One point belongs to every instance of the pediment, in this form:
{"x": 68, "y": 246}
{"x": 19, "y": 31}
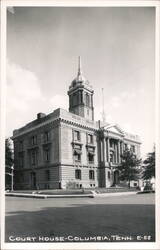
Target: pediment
{"x": 114, "y": 129}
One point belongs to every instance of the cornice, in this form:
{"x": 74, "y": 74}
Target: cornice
{"x": 27, "y": 131}
{"x": 71, "y": 122}
{"x": 132, "y": 140}
{"x": 80, "y": 125}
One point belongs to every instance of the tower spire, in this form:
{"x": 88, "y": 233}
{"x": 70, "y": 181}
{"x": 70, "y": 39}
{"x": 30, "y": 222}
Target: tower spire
{"x": 79, "y": 66}
{"x": 103, "y": 112}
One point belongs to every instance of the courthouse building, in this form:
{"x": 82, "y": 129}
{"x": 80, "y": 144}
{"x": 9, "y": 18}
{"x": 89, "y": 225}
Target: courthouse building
{"x": 66, "y": 148}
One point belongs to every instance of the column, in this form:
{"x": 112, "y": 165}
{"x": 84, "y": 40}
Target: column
{"x": 115, "y": 153}
{"x": 91, "y": 100}
{"x": 101, "y": 145}
{"x": 122, "y": 147}
{"x": 119, "y": 152}
{"x": 104, "y": 149}
{"x": 108, "y": 150}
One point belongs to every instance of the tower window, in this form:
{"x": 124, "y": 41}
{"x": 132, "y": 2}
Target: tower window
{"x": 81, "y": 95}
{"x": 75, "y": 99}
{"x": 87, "y": 99}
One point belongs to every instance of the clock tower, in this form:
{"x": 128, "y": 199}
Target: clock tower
{"x": 81, "y": 96}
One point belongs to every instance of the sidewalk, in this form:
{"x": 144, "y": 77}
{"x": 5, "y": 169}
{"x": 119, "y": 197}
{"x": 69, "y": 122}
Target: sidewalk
{"x": 92, "y": 195}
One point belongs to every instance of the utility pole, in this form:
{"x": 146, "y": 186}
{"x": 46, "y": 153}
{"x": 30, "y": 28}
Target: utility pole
{"x": 103, "y": 112}
{"x": 12, "y": 174}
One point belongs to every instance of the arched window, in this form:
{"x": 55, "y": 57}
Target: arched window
{"x": 87, "y": 99}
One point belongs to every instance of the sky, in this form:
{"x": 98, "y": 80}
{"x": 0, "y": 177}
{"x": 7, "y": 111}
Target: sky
{"x": 116, "y": 45}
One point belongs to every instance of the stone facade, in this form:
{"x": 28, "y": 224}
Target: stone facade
{"x": 69, "y": 149}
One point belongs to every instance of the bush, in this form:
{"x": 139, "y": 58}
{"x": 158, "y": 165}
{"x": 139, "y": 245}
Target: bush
{"x": 71, "y": 185}
{"x": 148, "y": 186}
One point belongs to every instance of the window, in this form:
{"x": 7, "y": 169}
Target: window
{"x": 91, "y": 174}
{"x": 76, "y": 135}
{"x": 111, "y": 157}
{"x": 133, "y": 148}
{"x": 34, "y": 140}
{"x": 77, "y": 151}
{"x": 109, "y": 175}
{"x": 90, "y": 139}
{"x": 46, "y": 136}
{"x": 90, "y": 154}
{"x": 46, "y": 154}
{"x": 47, "y": 175}
{"x": 90, "y": 157}
{"x": 87, "y": 99}
{"x": 33, "y": 158}
{"x": 75, "y": 99}
{"x": 125, "y": 146}
{"x": 78, "y": 174}
{"x": 111, "y": 144}
{"x": 81, "y": 97}
{"x": 77, "y": 155}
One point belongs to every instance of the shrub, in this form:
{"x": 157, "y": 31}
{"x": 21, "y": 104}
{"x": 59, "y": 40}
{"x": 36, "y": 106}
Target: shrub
{"x": 71, "y": 185}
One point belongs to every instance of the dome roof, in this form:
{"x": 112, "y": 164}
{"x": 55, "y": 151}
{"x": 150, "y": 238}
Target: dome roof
{"x": 80, "y": 79}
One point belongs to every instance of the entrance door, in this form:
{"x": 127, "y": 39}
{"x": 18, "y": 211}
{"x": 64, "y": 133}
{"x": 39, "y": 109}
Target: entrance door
{"x": 33, "y": 180}
{"x": 116, "y": 177}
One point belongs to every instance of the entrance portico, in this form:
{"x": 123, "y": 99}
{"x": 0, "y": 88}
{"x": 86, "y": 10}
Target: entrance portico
{"x": 112, "y": 146}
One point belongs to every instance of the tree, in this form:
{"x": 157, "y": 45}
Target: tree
{"x": 129, "y": 168}
{"x": 149, "y": 166}
{"x": 8, "y": 162}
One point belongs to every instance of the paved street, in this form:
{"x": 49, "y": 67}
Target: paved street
{"x": 128, "y": 216}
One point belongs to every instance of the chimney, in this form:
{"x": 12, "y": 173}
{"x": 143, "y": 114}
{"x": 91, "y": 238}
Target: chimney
{"x": 40, "y": 115}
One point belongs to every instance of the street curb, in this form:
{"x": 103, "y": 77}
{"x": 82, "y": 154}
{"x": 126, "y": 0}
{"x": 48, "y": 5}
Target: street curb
{"x": 44, "y": 196}
{"x": 111, "y": 194}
